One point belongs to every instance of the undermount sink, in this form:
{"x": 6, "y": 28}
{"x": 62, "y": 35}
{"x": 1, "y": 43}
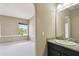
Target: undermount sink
{"x": 65, "y": 42}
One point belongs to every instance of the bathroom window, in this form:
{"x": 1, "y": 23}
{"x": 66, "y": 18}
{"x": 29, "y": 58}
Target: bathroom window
{"x": 23, "y": 29}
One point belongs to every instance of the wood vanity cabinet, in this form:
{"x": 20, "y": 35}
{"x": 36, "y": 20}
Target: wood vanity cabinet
{"x": 56, "y": 50}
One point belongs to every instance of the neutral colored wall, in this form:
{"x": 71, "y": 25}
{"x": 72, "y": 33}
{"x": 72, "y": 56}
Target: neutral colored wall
{"x": 32, "y": 32}
{"x": 9, "y": 25}
{"x": 45, "y": 25}
{"x": 0, "y": 29}
{"x": 32, "y": 28}
{"x": 75, "y": 24}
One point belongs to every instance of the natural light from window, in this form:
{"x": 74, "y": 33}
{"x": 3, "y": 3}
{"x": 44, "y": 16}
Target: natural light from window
{"x": 23, "y": 29}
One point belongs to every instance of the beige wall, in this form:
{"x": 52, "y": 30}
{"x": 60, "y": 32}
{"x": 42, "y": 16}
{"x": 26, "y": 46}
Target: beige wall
{"x": 75, "y": 24}
{"x": 9, "y": 25}
{"x": 45, "y": 25}
{"x": 0, "y": 29}
{"x": 32, "y": 28}
{"x": 32, "y": 32}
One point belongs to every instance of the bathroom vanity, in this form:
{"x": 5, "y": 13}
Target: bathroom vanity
{"x": 62, "y": 48}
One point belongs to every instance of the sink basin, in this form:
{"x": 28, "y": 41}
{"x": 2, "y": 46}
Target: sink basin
{"x": 65, "y": 42}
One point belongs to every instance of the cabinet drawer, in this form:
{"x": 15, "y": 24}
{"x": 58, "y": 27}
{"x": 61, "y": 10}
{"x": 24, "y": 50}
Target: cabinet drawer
{"x": 53, "y": 52}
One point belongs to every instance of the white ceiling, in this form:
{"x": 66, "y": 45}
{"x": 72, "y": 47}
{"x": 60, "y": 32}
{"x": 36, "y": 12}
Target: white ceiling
{"x": 19, "y": 10}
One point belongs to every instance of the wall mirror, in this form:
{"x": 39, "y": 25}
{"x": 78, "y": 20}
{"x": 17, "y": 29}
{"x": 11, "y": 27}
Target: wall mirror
{"x": 68, "y": 21}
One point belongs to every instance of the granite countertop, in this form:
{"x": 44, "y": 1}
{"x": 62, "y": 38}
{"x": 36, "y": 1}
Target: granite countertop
{"x": 71, "y": 46}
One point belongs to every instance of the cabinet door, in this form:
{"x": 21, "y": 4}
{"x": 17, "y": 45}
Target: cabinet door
{"x": 62, "y": 54}
{"x": 53, "y": 52}
{"x": 57, "y": 50}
